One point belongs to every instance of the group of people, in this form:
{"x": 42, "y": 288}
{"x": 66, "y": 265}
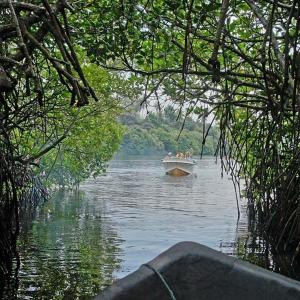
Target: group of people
{"x": 187, "y": 154}
{"x": 183, "y": 155}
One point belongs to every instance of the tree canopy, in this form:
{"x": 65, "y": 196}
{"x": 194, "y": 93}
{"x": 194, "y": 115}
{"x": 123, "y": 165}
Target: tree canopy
{"x": 43, "y": 94}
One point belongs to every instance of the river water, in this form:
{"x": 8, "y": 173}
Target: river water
{"x": 82, "y": 240}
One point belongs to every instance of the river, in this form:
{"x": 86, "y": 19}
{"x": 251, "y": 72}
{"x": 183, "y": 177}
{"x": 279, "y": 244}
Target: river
{"x": 80, "y": 241}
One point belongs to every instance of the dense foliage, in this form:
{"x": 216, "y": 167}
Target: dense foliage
{"x": 38, "y": 63}
{"x": 43, "y": 119}
{"x": 161, "y": 133}
{"x": 93, "y": 132}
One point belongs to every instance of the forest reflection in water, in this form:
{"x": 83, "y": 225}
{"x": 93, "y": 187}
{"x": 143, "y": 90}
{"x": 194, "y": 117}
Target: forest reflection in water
{"x": 69, "y": 251}
{"x": 80, "y": 241}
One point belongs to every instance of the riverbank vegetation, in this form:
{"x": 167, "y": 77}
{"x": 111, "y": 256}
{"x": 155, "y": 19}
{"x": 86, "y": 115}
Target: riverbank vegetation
{"x": 93, "y": 133}
{"x": 161, "y": 132}
{"x": 48, "y": 132}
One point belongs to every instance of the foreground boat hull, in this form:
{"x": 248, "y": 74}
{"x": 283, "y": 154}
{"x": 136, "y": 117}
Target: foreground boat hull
{"x": 190, "y": 271}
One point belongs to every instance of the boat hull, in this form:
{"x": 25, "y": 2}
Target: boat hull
{"x": 178, "y": 167}
{"x": 194, "y": 272}
{"x": 177, "y": 172}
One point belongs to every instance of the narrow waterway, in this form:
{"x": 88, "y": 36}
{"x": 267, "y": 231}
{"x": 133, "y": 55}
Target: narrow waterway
{"x": 82, "y": 240}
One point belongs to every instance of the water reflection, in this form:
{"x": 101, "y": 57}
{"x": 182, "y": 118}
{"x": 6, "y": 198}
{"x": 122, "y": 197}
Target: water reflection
{"x": 80, "y": 242}
{"x": 153, "y": 211}
{"x": 70, "y": 251}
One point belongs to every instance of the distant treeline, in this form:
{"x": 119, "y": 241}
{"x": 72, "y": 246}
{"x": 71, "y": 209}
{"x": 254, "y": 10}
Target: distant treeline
{"x": 158, "y": 132}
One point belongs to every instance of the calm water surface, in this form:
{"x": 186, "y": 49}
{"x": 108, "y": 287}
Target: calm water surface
{"x": 81, "y": 241}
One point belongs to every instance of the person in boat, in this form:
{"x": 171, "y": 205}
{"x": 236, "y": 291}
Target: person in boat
{"x": 188, "y": 154}
{"x": 169, "y": 155}
{"x": 180, "y": 155}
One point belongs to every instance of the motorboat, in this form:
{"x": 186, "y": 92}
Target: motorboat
{"x": 178, "y": 166}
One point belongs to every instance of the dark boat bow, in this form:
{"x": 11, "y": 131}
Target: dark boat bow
{"x": 190, "y": 271}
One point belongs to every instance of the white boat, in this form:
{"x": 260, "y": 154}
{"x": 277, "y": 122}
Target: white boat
{"x": 178, "y": 166}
